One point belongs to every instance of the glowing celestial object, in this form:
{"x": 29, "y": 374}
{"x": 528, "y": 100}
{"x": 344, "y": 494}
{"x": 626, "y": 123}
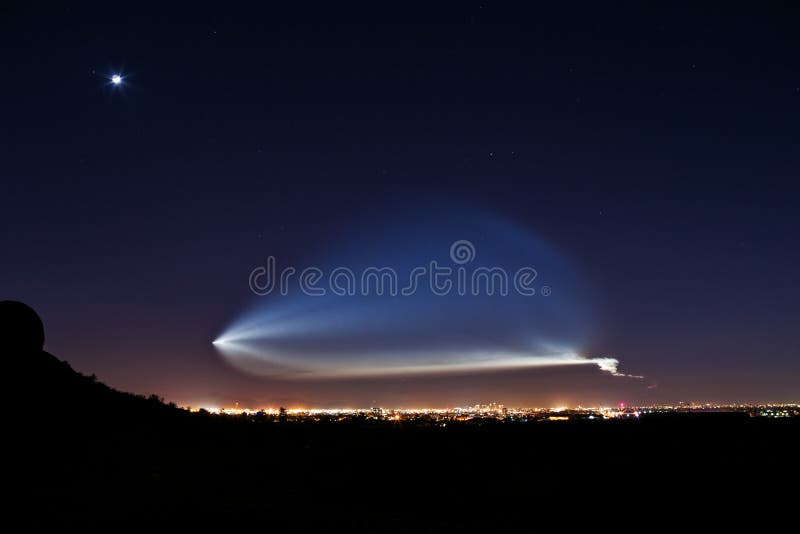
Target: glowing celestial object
{"x": 334, "y": 335}
{"x": 116, "y": 79}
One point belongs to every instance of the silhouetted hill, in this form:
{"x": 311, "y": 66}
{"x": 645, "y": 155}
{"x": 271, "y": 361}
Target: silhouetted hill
{"x": 89, "y": 455}
{"x": 43, "y": 383}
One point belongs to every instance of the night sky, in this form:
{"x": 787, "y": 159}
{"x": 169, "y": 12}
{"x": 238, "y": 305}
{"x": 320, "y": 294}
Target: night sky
{"x": 643, "y": 157}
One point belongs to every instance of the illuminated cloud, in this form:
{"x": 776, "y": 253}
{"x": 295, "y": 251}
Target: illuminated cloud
{"x": 260, "y": 362}
{"x": 295, "y": 335}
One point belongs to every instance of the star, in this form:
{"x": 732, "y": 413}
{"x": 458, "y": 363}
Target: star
{"x": 116, "y": 79}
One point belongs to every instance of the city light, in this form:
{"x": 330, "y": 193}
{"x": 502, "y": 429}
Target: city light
{"x": 500, "y": 412}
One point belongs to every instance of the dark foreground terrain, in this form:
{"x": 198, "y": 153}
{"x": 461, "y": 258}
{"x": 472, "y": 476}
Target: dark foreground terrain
{"x": 152, "y": 465}
{"x": 86, "y": 455}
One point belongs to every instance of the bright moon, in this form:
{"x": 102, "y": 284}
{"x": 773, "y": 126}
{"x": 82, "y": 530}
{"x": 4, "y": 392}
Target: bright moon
{"x": 116, "y": 79}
